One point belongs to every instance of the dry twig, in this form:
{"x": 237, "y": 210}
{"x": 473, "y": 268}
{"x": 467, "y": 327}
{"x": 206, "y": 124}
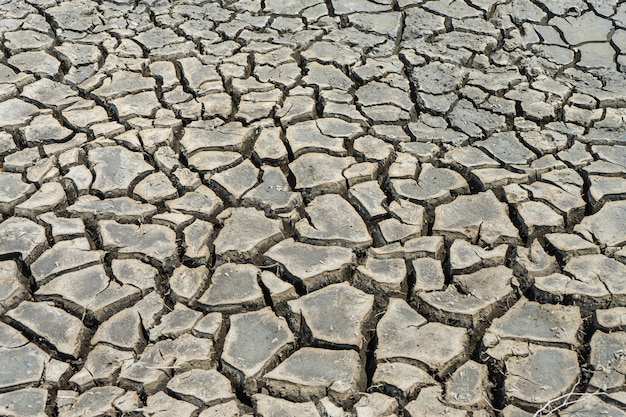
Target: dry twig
{"x": 549, "y": 408}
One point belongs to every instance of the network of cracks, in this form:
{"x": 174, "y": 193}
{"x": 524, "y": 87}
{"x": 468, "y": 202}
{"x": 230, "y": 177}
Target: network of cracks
{"x": 312, "y": 208}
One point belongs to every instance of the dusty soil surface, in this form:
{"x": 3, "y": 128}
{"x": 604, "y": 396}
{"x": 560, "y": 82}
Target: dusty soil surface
{"x": 312, "y": 208}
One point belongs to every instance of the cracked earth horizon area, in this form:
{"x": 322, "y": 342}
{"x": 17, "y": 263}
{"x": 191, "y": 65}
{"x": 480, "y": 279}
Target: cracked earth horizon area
{"x": 316, "y": 208}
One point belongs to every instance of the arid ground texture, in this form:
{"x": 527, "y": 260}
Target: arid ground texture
{"x": 312, "y": 208}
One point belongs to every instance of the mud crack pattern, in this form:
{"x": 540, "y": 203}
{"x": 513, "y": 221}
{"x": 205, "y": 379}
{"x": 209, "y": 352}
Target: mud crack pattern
{"x": 312, "y": 208}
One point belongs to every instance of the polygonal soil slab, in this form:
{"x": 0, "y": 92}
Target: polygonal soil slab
{"x": 61, "y": 330}
{"x": 405, "y": 336}
{"x": 312, "y": 373}
{"x": 23, "y": 236}
{"x": 558, "y": 287}
{"x": 307, "y": 137}
{"x": 429, "y": 402}
{"x": 28, "y": 402}
{"x": 429, "y": 275}
{"x": 434, "y": 186}
{"x": 136, "y": 105}
{"x": 318, "y": 173}
{"x": 201, "y": 387}
{"x": 65, "y": 256}
{"x": 604, "y": 226}
{"x": 155, "y": 188}
{"x": 312, "y": 266}
{"x": 148, "y": 240}
{"x": 607, "y": 358}
{"x": 126, "y": 329}
{"x": 118, "y": 208}
{"x": 266, "y": 406}
{"x": 153, "y": 369}
{"x": 214, "y": 161}
{"x": 116, "y": 169}
{"x": 235, "y": 182}
{"x": 368, "y": 198}
{"x": 471, "y": 299}
{"x": 89, "y": 291}
{"x": 229, "y": 409}
{"x": 333, "y": 221}
{"x": 401, "y": 379}
{"x": 122, "y": 83}
{"x": 13, "y": 191}
{"x": 477, "y": 218}
{"x": 161, "y": 404}
{"x": 22, "y": 363}
{"x": 202, "y": 203}
{"x": 134, "y": 272}
{"x": 101, "y": 366}
{"x": 233, "y": 288}
{"x": 605, "y": 188}
{"x": 568, "y": 245}
{"x": 180, "y": 320}
{"x": 50, "y": 93}
{"x": 229, "y": 137}
{"x": 273, "y": 193}
{"x": 506, "y": 148}
{"x": 382, "y": 276}
{"x": 185, "y": 282}
{"x": 465, "y": 257}
{"x": 563, "y": 194}
{"x": 256, "y": 342}
{"x": 376, "y": 403}
{"x": 12, "y": 286}
{"x": 246, "y": 233}
{"x": 611, "y": 319}
{"x": 197, "y": 241}
{"x": 591, "y": 406}
{"x": 50, "y": 196}
{"x": 540, "y": 375}
{"x": 537, "y": 219}
{"x": 16, "y": 112}
{"x": 598, "y": 268}
{"x": 96, "y": 401}
{"x": 344, "y": 328}
{"x": 468, "y": 387}
{"x": 539, "y": 323}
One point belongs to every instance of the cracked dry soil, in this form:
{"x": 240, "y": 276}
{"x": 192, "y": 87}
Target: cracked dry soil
{"x": 312, "y": 208}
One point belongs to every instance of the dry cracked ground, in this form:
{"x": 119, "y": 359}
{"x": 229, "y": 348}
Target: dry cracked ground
{"x": 307, "y": 208}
